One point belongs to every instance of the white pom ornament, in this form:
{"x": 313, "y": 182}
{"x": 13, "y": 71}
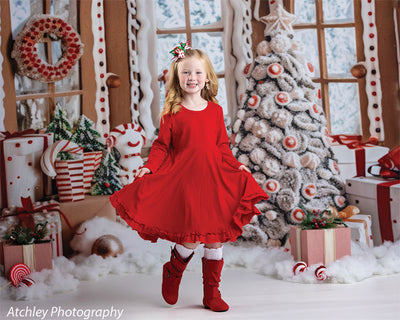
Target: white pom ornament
{"x": 272, "y": 186}
{"x": 297, "y": 215}
{"x": 254, "y": 101}
{"x": 299, "y": 267}
{"x": 274, "y": 70}
{"x": 309, "y": 190}
{"x": 271, "y": 215}
{"x": 340, "y": 201}
{"x": 333, "y": 166}
{"x": 282, "y": 98}
{"x": 320, "y": 273}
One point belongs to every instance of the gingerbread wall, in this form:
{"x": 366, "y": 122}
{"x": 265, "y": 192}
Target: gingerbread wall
{"x": 118, "y": 62}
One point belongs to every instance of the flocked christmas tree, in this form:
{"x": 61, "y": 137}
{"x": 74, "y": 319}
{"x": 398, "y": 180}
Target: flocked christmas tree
{"x": 60, "y": 126}
{"x": 105, "y": 179}
{"x": 86, "y": 136}
{"x": 280, "y": 134}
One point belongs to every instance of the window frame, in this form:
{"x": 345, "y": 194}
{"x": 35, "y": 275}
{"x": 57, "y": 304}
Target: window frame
{"x": 189, "y": 30}
{"x": 324, "y": 80}
{"x": 86, "y": 69}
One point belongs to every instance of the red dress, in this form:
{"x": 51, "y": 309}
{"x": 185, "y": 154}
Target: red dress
{"x": 195, "y": 191}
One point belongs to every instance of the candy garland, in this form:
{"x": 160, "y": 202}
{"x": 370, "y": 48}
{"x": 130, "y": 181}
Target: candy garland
{"x": 101, "y": 75}
{"x": 373, "y": 83}
{"x": 25, "y": 52}
{"x": 133, "y": 59}
{"x": 2, "y": 95}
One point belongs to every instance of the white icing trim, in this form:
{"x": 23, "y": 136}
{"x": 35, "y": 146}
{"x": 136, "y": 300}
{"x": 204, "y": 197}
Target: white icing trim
{"x": 99, "y": 56}
{"x": 146, "y": 50}
{"x": 274, "y": 4}
{"x": 133, "y": 59}
{"x": 373, "y": 113}
{"x": 2, "y": 110}
{"x": 241, "y": 42}
{"x": 230, "y": 60}
{"x": 397, "y": 36}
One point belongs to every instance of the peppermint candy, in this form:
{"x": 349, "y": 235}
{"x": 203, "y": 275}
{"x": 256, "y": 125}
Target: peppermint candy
{"x": 254, "y": 101}
{"x": 282, "y": 98}
{"x": 309, "y": 190}
{"x": 272, "y": 185}
{"x": 297, "y": 215}
{"x": 274, "y": 70}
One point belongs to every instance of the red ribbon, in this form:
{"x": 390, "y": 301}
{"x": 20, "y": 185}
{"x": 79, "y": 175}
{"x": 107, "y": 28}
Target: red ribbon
{"x": 385, "y": 218}
{"x": 354, "y": 142}
{"x": 5, "y": 135}
{"x": 25, "y": 212}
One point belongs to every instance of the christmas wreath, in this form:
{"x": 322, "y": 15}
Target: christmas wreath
{"x": 37, "y": 30}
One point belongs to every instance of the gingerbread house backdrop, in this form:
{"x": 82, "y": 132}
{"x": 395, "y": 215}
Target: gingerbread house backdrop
{"x": 107, "y": 60}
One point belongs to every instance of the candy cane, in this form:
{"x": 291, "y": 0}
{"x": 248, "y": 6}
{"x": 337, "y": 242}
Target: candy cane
{"x": 50, "y": 154}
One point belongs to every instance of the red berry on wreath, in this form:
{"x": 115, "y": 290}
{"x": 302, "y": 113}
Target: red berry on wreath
{"x": 106, "y": 184}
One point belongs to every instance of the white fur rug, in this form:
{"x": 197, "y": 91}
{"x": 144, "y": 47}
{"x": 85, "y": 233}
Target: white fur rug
{"x": 144, "y": 257}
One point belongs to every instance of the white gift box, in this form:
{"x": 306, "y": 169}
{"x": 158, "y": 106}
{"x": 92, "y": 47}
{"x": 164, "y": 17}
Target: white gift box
{"x": 23, "y": 176}
{"x": 346, "y": 159}
{"x": 361, "y": 232}
{"x": 362, "y": 192}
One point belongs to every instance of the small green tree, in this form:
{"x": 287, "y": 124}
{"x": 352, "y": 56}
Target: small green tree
{"x": 61, "y": 129}
{"x": 60, "y": 126}
{"x": 105, "y": 179}
{"x": 86, "y": 136}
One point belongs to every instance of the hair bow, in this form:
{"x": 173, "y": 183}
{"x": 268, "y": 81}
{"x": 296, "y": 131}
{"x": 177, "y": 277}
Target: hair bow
{"x": 179, "y": 51}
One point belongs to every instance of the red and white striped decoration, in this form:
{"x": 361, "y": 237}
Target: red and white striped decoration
{"x": 91, "y": 161}
{"x": 69, "y": 180}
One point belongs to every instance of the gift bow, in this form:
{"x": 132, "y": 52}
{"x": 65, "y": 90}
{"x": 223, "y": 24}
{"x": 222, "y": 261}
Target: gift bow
{"x": 4, "y": 135}
{"x": 25, "y": 212}
{"x": 179, "y": 51}
{"x": 352, "y": 141}
{"x": 389, "y": 165}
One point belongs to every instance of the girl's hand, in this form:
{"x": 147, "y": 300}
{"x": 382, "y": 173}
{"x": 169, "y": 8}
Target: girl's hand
{"x": 244, "y": 168}
{"x": 141, "y": 172}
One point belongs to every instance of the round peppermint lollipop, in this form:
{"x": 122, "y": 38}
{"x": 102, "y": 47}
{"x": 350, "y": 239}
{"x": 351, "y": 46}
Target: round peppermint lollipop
{"x": 299, "y": 267}
{"x": 320, "y": 273}
{"x": 18, "y": 272}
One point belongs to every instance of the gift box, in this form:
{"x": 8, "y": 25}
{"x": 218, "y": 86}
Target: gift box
{"x": 36, "y": 256}
{"x": 360, "y": 226}
{"x": 21, "y": 174}
{"x": 320, "y": 246}
{"x": 79, "y": 212}
{"x": 380, "y": 199}
{"x": 41, "y": 212}
{"x": 352, "y": 160}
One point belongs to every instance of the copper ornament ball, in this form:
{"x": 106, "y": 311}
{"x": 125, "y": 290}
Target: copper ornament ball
{"x": 358, "y": 70}
{"x": 107, "y": 246}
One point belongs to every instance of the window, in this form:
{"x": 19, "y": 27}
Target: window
{"x": 36, "y": 100}
{"x": 327, "y": 30}
{"x": 197, "y": 20}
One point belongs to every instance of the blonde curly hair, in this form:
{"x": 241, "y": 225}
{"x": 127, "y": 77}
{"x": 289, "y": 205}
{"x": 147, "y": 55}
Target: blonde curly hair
{"x": 175, "y": 93}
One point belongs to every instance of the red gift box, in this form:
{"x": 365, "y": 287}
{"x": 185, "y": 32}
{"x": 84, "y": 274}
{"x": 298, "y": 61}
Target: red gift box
{"x": 324, "y": 246}
{"x": 36, "y": 256}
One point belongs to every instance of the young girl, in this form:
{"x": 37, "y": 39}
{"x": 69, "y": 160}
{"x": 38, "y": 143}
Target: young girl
{"x": 192, "y": 190}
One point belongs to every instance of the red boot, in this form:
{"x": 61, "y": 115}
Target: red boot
{"x": 172, "y": 275}
{"x": 211, "y": 278}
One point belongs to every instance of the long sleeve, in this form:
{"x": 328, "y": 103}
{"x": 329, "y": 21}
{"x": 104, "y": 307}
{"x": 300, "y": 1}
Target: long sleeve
{"x": 223, "y": 142}
{"x": 161, "y": 145}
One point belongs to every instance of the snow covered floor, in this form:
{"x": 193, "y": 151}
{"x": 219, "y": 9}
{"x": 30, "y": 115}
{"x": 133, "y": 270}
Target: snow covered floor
{"x": 258, "y": 283}
{"x": 250, "y": 295}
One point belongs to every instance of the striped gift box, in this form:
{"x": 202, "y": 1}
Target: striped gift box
{"x": 91, "y": 161}
{"x": 69, "y": 180}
